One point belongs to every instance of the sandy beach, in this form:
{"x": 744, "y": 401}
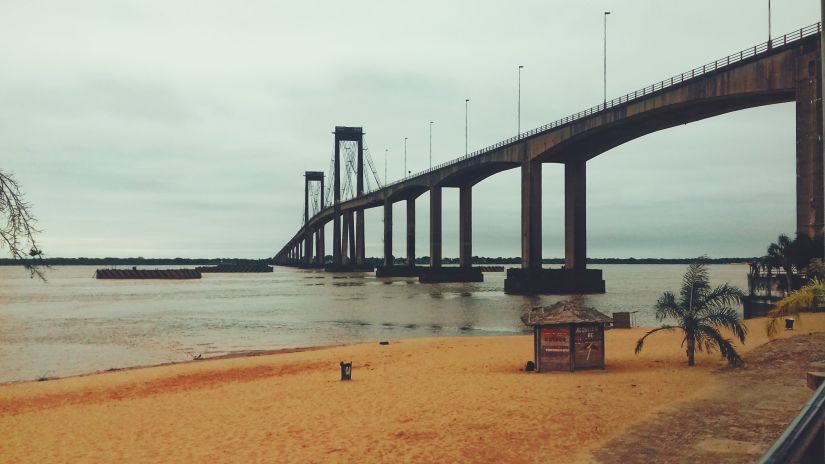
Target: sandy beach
{"x": 427, "y": 400}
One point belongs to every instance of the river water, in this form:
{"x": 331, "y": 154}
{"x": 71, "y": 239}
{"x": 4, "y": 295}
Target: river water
{"x": 76, "y": 324}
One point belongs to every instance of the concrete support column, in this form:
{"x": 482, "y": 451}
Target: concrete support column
{"x": 322, "y": 245}
{"x": 435, "y": 227}
{"x": 810, "y": 192}
{"x": 308, "y": 247}
{"x": 351, "y": 235}
{"x": 345, "y": 238}
{"x": 358, "y": 225}
{"x": 388, "y": 261}
{"x": 319, "y": 258}
{"x": 531, "y": 216}
{"x": 336, "y": 208}
{"x": 575, "y": 213}
{"x": 411, "y": 232}
{"x": 465, "y": 226}
{"x": 359, "y": 237}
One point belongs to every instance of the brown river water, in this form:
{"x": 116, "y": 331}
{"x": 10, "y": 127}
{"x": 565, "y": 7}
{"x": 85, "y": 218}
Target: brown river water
{"x": 75, "y": 324}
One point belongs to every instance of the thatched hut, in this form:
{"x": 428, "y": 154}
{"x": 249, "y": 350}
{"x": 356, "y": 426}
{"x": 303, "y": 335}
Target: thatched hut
{"x": 567, "y": 336}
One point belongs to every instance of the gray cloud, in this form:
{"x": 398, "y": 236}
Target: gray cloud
{"x": 171, "y": 129}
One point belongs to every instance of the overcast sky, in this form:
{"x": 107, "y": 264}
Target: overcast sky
{"x": 183, "y": 128}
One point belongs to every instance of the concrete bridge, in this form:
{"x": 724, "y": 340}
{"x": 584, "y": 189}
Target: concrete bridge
{"x": 784, "y": 70}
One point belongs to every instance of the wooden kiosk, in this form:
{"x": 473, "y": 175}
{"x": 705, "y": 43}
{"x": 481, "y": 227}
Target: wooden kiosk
{"x": 567, "y": 337}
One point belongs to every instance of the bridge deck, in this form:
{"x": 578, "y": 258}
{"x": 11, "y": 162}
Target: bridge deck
{"x": 760, "y": 75}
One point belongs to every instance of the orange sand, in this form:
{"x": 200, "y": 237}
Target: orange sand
{"x": 433, "y": 400}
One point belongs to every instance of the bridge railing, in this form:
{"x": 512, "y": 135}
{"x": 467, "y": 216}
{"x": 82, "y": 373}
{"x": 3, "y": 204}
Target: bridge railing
{"x": 749, "y": 52}
{"x": 674, "y": 80}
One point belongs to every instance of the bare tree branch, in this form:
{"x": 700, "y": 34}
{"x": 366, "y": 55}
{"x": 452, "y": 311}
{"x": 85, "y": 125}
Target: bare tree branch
{"x": 17, "y": 231}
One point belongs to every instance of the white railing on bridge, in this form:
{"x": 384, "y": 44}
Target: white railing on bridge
{"x": 664, "y": 84}
{"x": 695, "y": 72}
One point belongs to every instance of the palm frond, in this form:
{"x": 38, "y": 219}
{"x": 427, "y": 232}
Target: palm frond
{"x": 725, "y": 346}
{"x": 695, "y": 282}
{"x": 667, "y": 306}
{"x": 794, "y": 303}
{"x": 727, "y": 318}
{"x": 722, "y": 296}
{"x": 641, "y": 342}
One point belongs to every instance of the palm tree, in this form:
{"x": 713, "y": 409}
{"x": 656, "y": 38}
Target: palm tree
{"x": 782, "y": 253}
{"x": 700, "y": 311}
{"x": 804, "y": 298}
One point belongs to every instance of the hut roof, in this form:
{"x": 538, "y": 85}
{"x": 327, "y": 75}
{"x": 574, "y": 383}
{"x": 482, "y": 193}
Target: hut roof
{"x": 564, "y": 312}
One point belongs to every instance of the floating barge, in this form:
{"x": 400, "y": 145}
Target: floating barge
{"x": 172, "y": 274}
{"x": 245, "y": 268}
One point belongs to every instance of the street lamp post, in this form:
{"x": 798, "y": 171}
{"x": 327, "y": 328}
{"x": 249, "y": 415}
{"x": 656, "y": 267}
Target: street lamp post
{"x": 769, "y": 24}
{"x": 466, "y": 102}
{"x": 519, "y": 99}
{"x": 605, "y": 57}
{"x": 386, "y": 181}
{"x": 405, "y": 157}
{"x": 431, "y": 144}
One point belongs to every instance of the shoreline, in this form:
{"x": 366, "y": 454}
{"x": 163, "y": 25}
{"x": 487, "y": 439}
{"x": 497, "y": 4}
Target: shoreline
{"x": 283, "y": 351}
{"x": 230, "y": 355}
{"x": 437, "y": 399}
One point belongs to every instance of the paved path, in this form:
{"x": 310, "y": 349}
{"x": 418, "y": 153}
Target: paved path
{"x": 734, "y": 423}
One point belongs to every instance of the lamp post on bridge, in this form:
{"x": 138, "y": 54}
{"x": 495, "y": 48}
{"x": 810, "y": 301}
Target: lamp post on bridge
{"x": 466, "y": 125}
{"x": 519, "y": 99}
{"x": 405, "y": 157}
{"x": 431, "y": 144}
{"x": 605, "y": 57}
{"x": 769, "y": 25}
{"x": 386, "y": 181}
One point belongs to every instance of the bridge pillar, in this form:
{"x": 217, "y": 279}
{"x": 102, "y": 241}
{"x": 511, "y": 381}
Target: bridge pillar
{"x": 575, "y": 212}
{"x": 307, "y": 256}
{"x": 435, "y": 227}
{"x": 810, "y": 193}
{"x": 347, "y": 247}
{"x": 575, "y": 277}
{"x": 411, "y": 232}
{"x": 359, "y": 215}
{"x": 345, "y": 239}
{"x": 531, "y": 217}
{"x": 389, "y": 269}
{"x": 388, "y": 261}
{"x": 465, "y": 226}
{"x": 308, "y": 247}
{"x": 436, "y": 272}
{"x": 319, "y": 252}
{"x": 321, "y": 246}
{"x": 337, "y": 259}
{"x": 528, "y": 279}
{"x": 351, "y": 236}
{"x": 359, "y": 237}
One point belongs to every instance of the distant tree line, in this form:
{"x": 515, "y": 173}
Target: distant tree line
{"x": 425, "y": 260}
{"x": 133, "y": 261}
{"x": 422, "y": 260}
